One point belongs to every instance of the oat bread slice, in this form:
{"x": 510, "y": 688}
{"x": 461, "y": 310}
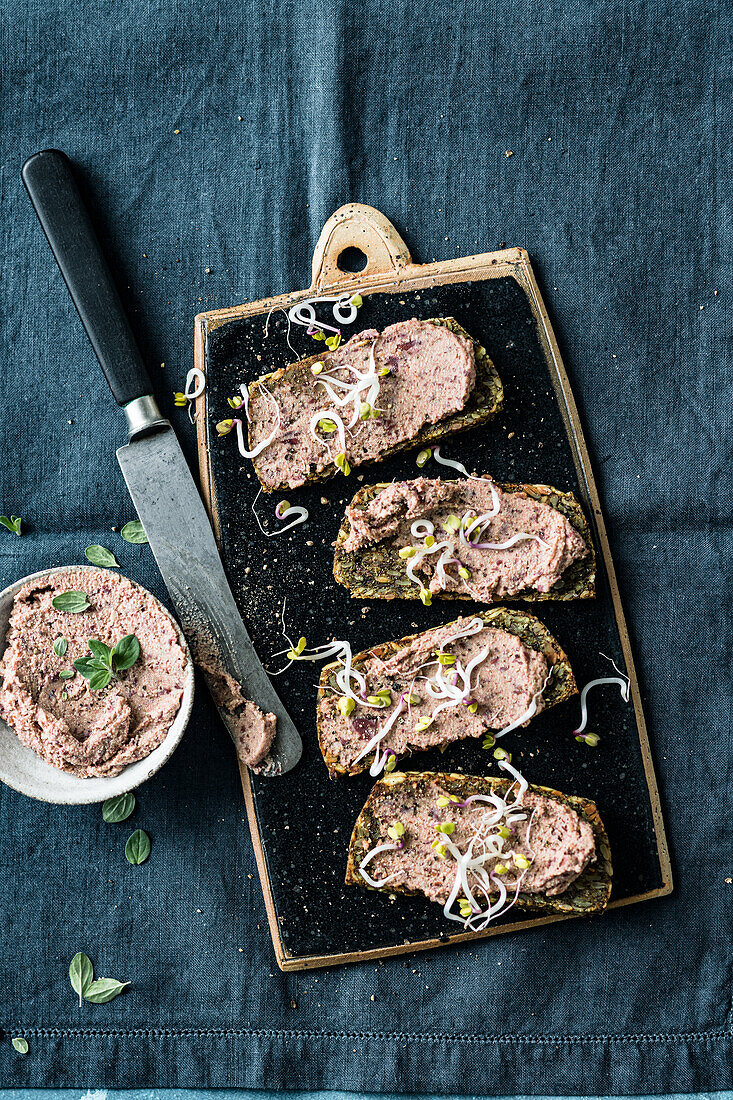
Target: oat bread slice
{"x": 337, "y": 736}
{"x": 399, "y": 796}
{"x": 293, "y": 459}
{"x": 376, "y": 571}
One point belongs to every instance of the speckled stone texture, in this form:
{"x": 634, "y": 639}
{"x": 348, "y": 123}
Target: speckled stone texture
{"x": 526, "y": 442}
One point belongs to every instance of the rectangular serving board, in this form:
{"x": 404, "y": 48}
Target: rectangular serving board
{"x": 301, "y": 822}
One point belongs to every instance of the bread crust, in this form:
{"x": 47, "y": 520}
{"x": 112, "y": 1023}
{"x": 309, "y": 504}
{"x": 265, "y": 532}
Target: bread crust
{"x": 485, "y": 401}
{"x": 524, "y": 625}
{"x": 590, "y": 892}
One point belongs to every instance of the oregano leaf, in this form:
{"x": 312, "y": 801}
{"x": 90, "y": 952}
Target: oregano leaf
{"x": 72, "y": 601}
{"x": 125, "y": 653}
{"x": 87, "y": 665}
{"x": 100, "y": 555}
{"x": 99, "y": 650}
{"x": 103, "y": 990}
{"x": 118, "y": 808}
{"x": 134, "y": 532}
{"x": 60, "y": 646}
{"x": 12, "y": 523}
{"x": 99, "y": 679}
{"x": 81, "y": 973}
{"x": 137, "y": 848}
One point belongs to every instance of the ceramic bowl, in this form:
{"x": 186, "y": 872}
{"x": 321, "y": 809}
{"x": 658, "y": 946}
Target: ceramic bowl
{"x": 25, "y": 771}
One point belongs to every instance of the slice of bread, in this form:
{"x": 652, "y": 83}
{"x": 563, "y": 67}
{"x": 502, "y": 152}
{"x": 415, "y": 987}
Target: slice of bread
{"x": 525, "y": 626}
{"x": 485, "y": 400}
{"x": 376, "y": 572}
{"x": 588, "y": 894}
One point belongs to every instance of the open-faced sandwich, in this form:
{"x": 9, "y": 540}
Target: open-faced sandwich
{"x": 478, "y": 846}
{"x": 375, "y": 395}
{"x": 476, "y": 676}
{"x": 469, "y": 539}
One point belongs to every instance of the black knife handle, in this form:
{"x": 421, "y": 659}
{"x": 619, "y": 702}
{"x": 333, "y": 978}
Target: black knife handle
{"x": 57, "y": 201}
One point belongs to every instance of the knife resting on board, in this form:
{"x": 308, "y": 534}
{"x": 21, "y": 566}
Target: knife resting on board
{"x": 157, "y": 474}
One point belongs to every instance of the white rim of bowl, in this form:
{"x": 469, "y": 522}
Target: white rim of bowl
{"x": 183, "y": 713}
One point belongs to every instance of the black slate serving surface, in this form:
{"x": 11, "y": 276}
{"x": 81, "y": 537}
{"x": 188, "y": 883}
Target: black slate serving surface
{"x": 305, "y": 819}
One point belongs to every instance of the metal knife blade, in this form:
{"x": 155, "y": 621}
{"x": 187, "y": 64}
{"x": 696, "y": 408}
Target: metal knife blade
{"x": 178, "y": 529}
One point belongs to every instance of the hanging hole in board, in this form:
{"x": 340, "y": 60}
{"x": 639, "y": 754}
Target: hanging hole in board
{"x": 352, "y": 260}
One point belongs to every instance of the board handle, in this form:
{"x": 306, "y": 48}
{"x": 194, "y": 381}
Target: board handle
{"x": 356, "y": 226}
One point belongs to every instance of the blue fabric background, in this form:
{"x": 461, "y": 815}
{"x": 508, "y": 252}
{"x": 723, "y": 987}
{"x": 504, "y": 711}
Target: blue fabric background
{"x": 618, "y": 117}
{"x": 228, "y": 1094}
{"x": 239, "y": 1094}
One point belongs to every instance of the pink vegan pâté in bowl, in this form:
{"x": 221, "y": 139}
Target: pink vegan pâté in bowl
{"x": 85, "y": 739}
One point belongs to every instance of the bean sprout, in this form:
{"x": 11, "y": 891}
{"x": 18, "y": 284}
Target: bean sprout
{"x": 623, "y": 682}
{"x": 471, "y": 875}
{"x": 238, "y": 424}
{"x": 299, "y": 514}
{"x": 375, "y": 852}
{"x": 198, "y": 378}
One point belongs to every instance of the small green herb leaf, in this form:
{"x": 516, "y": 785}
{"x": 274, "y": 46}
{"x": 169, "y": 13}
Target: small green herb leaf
{"x": 103, "y": 990}
{"x": 60, "y": 646}
{"x": 12, "y": 523}
{"x": 100, "y": 555}
{"x": 137, "y": 848}
{"x": 21, "y": 1045}
{"x": 134, "y": 532}
{"x": 105, "y": 662}
{"x": 99, "y": 650}
{"x": 71, "y": 601}
{"x": 81, "y": 973}
{"x": 118, "y": 808}
{"x": 66, "y": 674}
{"x": 87, "y": 665}
{"x": 99, "y": 679}
{"x": 125, "y": 653}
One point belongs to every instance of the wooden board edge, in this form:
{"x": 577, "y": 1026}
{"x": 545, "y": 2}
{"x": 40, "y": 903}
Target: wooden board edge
{"x": 209, "y": 497}
{"x": 582, "y": 462}
{"x": 503, "y": 258}
{"x": 514, "y": 262}
{"x": 280, "y": 955}
{"x": 288, "y": 962}
{"x": 206, "y": 481}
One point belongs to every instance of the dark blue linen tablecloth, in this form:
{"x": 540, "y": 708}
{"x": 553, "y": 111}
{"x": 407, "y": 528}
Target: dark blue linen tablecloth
{"x": 216, "y": 139}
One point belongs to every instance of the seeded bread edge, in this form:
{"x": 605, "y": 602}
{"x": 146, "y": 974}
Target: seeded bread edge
{"x": 588, "y": 895}
{"x": 524, "y": 625}
{"x": 484, "y": 402}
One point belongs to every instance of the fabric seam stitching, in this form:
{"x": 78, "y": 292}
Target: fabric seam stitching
{"x": 271, "y": 1033}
